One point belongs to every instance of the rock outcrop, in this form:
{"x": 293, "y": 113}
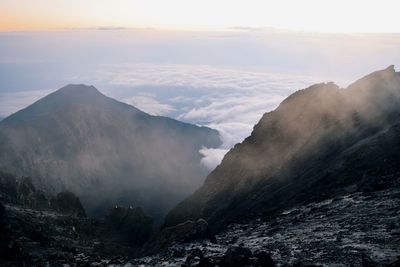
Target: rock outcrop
{"x": 22, "y": 192}
{"x": 183, "y": 232}
{"x": 67, "y": 203}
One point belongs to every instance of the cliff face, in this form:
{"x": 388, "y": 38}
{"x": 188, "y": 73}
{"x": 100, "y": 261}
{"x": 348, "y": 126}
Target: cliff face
{"x": 320, "y": 141}
{"x": 105, "y": 151}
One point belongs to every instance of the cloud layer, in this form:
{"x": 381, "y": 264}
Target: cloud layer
{"x": 229, "y": 100}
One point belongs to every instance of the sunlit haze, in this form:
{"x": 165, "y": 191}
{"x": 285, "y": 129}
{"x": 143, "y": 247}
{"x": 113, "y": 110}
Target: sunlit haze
{"x": 200, "y": 133}
{"x": 220, "y": 64}
{"x": 308, "y": 15}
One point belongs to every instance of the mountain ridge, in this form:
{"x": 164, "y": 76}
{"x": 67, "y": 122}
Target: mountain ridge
{"x": 63, "y": 96}
{"x": 288, "y": 157}
{"x": 81, "y": 140}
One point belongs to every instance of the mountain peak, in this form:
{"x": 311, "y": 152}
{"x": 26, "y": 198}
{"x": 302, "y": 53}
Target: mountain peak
{"x": 78, "y": 89}
{"x": 75, "y": 94}
{"x": 390, "y": 68}
{"x": 68, "y": 96}
{"x": 376, "y": 79}
{"x": 80, "y": 140}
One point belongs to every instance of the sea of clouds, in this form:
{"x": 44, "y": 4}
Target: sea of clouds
{"x": 224, "y": 80}
{"x": 228, "y": 100}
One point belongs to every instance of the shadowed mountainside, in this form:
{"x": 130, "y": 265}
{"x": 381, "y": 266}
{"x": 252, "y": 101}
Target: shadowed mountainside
{"x": 105, "y": 151}
{"x": 320, "y": 142}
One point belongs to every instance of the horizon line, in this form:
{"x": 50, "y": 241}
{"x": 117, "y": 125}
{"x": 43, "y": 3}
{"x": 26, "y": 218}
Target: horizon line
{"x": 196, "y": 29}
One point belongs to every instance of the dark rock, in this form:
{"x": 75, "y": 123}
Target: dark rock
{"x": 59, "y": 256}
{"x": 67, "y": 203}
{"x": 300, "y": 264}
{"x": 184, "y": 232}
{"x": 396, "y": 263}
{"x": 367, "y": 261}
{"x": 131, "y": 225}
{"x": 31, "y": 236}
{"x": 2, "y": 212}
{"x": 206, "y": 262}
{"x": 195, "y": 255}
{"x": 8, "y": 188}
{"x": 23, "y": 192}
{"x": 236, "y": 256}
{"x": 10, "y": 251}
{"x": 178, "y": 253}
{"x": 263, "y": 259}
{"x": 116, "y": 260}
{"x": 26, "y": 192}
{"x": 192, "y": 260}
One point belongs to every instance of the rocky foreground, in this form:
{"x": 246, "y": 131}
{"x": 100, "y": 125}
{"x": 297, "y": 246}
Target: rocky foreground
{"x": 38, "y": 229}
{"x": 354, "y": 230}
{"x": 47, "y": 238}
{"x": 357, "y": 229}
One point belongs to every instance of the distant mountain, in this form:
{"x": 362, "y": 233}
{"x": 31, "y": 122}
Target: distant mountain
{"x": 105, "y": 151}
{"x": 320, "y": 142}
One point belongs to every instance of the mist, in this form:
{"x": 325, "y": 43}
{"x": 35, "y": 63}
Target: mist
{"x": 225, "y": 79}
{"x": 196, "y": 77}
{"x": 306, "y": 148}
{"x": 105, "y": 151}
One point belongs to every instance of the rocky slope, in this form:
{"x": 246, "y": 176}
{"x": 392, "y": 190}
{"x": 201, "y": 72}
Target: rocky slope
{"x": 320, "y": 142}
{"x": 105, "y": 151}
{"x": 38, "y": 229}
{"x": 356, "y": 229}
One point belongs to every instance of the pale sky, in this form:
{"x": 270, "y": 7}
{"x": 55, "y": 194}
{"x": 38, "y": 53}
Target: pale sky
{"x": 342, "y": 16}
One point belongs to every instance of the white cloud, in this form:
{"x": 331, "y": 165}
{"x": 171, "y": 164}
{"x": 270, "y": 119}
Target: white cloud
{"x": 212, "y": 156}
{"x": 229, "y": 100}
{"x": 149, "y": 104}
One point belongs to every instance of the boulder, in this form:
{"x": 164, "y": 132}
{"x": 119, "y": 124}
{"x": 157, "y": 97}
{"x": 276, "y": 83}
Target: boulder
{"x": 396, "y": 263}
{"x": 195, "y": 256}
{"x": 263, "y": 259}
{"x": 237, "y": 256}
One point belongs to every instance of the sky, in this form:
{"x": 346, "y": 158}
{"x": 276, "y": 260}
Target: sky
{"x": 217, "y": 63}
{"x": 306, "y": 15}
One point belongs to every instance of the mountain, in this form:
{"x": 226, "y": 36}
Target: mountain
{"x": 320, "y": 142}
{"x": 105, "y": 151}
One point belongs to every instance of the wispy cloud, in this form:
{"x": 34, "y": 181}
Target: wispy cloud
{"x": 212, "y": 156}
{"x": 149, "y": 104}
